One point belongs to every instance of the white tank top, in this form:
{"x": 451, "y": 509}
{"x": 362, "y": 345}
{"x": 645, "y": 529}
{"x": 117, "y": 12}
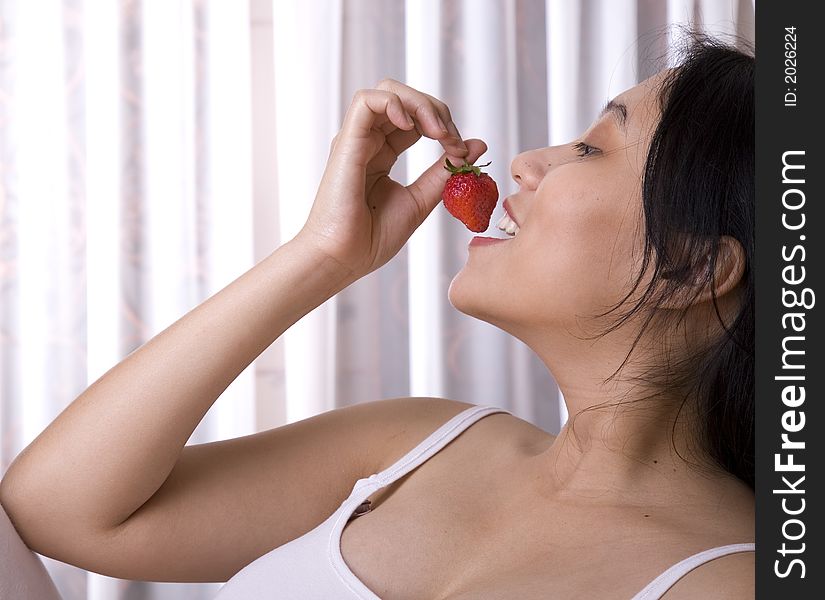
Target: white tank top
{"x": 312, "y": 567}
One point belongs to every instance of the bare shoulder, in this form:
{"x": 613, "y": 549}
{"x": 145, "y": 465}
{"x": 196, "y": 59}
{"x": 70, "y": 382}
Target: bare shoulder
{"x": 730, "y": 577}
{"x": 407, "y": 421}
{"x": 500, "y": 433}
{"x": 501, "y": 430}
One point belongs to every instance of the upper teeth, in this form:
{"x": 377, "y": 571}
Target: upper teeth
{"x": 508, "y": 225}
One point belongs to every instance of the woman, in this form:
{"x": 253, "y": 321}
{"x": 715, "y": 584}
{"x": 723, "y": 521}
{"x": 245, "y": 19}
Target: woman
{"x": 629, "y": 275}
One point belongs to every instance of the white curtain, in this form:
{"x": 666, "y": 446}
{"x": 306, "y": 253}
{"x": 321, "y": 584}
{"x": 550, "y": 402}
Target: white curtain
{"x": 151, "y": 151}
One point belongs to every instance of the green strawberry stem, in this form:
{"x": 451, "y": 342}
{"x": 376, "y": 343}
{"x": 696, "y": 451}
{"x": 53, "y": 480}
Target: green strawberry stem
{"x": 465, "y": 168}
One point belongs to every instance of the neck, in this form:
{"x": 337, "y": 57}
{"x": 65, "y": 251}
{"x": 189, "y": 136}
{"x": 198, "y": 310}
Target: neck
{"x": 620, "y": 445}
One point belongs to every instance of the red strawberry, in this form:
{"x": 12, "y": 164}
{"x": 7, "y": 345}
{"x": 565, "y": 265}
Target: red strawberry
{"x": 470, "y": 195}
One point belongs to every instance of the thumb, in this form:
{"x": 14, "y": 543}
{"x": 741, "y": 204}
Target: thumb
{"x": 428, "y": 187}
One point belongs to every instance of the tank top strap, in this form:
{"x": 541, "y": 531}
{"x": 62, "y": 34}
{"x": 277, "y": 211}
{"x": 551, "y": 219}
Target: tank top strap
{"x": 656, "y": 588}
{"x": 430, "y": 446}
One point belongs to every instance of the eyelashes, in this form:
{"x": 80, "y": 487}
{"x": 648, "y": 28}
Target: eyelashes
{"x": 583, "y": 149}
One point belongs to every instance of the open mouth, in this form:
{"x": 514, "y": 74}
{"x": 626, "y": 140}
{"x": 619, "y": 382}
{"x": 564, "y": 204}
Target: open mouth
{"x": 508, "y": 226}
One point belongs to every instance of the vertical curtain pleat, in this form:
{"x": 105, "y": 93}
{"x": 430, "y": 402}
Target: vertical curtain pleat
{"x": 719, "y": 15}
{"x": 651, "y": 43}
{"x": 49, "y": 218}
{"x": 479, "y": 360}
{"x": 488, "y": 367}
{"x": 372, "y": 329}
{"x": 307, "y": 44}
{"x": 564, "y": 71}
{"x": 101, "y": 59}
{"x": 223, "y": 151}
{"x": 270, "y": 393}
{"x": 101, "y": 56}
{"x": 168, "y": 239}
{"x": 530, "y": 391}
{"x": 132, "y": 176}
{"x": 426, "y": 54}
{"x": 745, "y": 23}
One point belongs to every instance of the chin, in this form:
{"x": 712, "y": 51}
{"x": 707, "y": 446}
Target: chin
{"x": 476, "y": 298}
{"x": 457, "y": 293}
{"x": 518, "y": 310}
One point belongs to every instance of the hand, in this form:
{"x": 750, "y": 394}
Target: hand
{"x": 361, "y": 218}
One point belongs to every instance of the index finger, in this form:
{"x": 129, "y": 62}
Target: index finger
{"x": 425, "y": 108}
{"x": 376, "y": 109}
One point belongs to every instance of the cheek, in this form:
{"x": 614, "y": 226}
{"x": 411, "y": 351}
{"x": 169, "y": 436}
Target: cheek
{"x": 588, "y": 225}
{"x": 583, "y": 259}
{"x": 576, "y": 257}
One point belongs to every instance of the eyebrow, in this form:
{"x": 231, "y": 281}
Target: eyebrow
{"x": 618, "y": 110}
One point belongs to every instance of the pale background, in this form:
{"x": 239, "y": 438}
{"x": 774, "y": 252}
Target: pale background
{"x": 152, "y": 151}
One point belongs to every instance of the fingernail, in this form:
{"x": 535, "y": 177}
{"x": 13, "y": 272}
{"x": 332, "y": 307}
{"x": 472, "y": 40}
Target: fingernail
{"x": 456, "y": 160}
{"x": 454, "y": 131}
{"x": 441, "y": 124}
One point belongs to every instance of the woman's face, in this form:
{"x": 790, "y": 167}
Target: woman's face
{"x": 581, "y": 230}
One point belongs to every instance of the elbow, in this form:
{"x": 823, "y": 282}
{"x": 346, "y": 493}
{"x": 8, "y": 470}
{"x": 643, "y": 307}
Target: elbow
{"x": 14, "y": 503}
{"x": 9, "y": 496}
{"x": 27, "y": 506}
{"x": 42, "y": 526}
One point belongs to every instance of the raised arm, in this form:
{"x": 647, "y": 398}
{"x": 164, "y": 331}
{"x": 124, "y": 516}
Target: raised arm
{"x": 107, "y": 455}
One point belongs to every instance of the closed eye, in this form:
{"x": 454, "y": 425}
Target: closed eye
{"x": 583, "y": 149}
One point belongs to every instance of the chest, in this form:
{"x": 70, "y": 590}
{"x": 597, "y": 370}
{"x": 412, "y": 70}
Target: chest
{"x": 467, "y": 534}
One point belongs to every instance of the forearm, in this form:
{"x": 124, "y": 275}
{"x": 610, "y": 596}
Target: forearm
{"x": 111, "y": 449}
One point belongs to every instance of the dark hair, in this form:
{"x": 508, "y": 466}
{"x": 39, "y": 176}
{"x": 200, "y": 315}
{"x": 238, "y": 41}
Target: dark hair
{"x": 698, "y": 185}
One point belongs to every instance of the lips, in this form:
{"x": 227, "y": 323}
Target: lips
{"x": 508, "y": 223}
{"x": 480, "y": 240}
{"x": 509, "y": 210}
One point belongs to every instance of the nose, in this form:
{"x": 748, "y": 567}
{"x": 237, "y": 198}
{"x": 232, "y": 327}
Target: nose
{"x": 529, "y": 168}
